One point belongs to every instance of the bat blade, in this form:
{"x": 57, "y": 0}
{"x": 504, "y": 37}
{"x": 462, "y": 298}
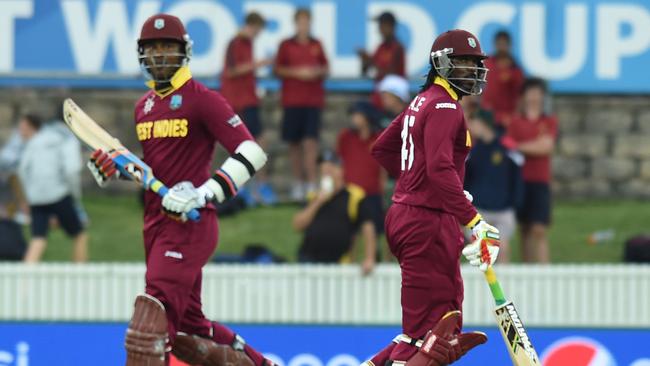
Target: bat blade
{"x": 520, "y": 348}
{"x": 86, "y": 129}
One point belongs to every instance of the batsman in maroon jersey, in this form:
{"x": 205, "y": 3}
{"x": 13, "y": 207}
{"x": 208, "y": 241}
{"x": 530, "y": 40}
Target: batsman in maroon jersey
{"x": 426, "y": 147}
{"x": 179, "y": 122}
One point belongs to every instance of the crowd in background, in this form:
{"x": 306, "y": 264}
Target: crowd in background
{"x": 343, "y": 189}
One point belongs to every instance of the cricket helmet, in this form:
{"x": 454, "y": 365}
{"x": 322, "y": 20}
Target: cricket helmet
{"x": 459, "y": 43}
{"x": 163, "y": 27}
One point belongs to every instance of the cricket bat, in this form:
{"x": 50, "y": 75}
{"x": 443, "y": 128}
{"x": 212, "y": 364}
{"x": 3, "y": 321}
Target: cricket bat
{"x": 512, "y": 329}
{"x": 129, "y": 165}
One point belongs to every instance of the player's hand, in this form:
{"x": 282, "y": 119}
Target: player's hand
{"x": 102, "y": 167}
{"x": 484, "y": 250}
{"x": 181, "y": 199}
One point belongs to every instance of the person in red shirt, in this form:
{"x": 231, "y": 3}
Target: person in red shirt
{"x": 505, "y": 79}
{"x": 425, "y": 147}
{"x": 178, "y": 123}
{"x": 533, "y": 133}
{"x": 359, "y": 168}
{"x": 302, "y": 65}
{"x": 239, "y": 88}
{"x": 389, "y": 57}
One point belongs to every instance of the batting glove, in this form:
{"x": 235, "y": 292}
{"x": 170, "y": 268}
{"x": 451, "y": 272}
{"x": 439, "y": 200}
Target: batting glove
{"x": 184, "y": 197}
{"x": 483, "y": 252}
{"x": 102, "y": 167}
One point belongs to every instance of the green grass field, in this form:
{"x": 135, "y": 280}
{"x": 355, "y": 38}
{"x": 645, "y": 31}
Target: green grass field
{"x": 116, "y": 223}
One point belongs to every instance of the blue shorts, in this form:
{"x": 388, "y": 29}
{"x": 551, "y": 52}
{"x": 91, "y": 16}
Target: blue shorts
{"x": 536, "y": 207}
{"x": 300, "y": 123}
{"x": 251, "y": 117}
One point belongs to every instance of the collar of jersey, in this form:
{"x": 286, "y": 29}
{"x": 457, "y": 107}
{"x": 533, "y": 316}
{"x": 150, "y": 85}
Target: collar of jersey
{"x": 179, "y": 79}
{"x": 445, "y": 84}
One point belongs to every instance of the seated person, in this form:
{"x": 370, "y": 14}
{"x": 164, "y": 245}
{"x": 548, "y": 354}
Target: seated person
{"x": 332, "y": 217}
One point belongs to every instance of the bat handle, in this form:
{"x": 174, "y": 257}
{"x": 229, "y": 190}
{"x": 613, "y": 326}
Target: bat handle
{"x": 159, "y": 188}
{"x": 495, "y": 286}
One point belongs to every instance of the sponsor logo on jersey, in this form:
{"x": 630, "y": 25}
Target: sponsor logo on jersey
{"x": 176, "y": 101}
{"x": 577, "y": 351}
{"x": 235, "y": 121}
{"x": 445, "y": 106}
{"x": 164, "y": 128}
{"x": 148, "y": 105}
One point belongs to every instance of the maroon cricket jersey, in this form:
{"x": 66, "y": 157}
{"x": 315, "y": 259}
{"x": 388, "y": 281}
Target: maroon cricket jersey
{"x": 426, "y": 147}
{"x": 179, "y": 132}
{"x": 300, "y": 93}
{"x": 239, "y": 91}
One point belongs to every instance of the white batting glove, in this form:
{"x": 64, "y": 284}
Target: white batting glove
{"x": 184, "y": 197}
{"x": 484, "y": 250}
{"x": 469, "y": 196}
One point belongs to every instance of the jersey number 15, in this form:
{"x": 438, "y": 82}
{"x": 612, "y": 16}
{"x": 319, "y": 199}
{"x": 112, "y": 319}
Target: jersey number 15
{"x": 407, "y": 143}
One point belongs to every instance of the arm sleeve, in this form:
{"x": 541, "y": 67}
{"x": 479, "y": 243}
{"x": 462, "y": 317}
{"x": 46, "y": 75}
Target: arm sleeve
{"x": 323, "y": 57}
{"x": 281, "y": 58}
{"x": 388, "y": 147}
{"x": 222, "y": 123}
{"x": 440, "y": 133}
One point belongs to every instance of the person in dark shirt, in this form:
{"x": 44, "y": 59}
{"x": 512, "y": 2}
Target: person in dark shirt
{"x": 493, "y": 177}
{"x": 333, "y": 216}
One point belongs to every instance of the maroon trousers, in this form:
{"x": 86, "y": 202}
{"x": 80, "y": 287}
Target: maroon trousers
{"x": 175, "y": 254}
{"x": 428, "y": 246}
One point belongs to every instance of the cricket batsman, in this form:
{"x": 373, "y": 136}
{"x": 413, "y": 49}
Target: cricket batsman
{"x": 178, "y": 122}
{"x": 426, "y": 147}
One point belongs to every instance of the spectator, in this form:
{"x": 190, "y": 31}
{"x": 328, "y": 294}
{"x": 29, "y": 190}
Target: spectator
{"x": 493, "y": 177}
{"x": 12, "y": 202}
{"x": 395, "y": 96}
{"x": 504, "y": 81}
{"x": 389, "y": 57}
{"x": 302, "y": 66}
{"x": 534, "y": 134}
{"x": 239, "y": 88}
{"x": 359, "y": 167}
{"x": 49, "y": 172}
{"x": 331, "y": 219}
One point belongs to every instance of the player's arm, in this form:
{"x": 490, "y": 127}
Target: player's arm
{"x": 238, "y": 64}
{"x": 388, "y": 147}
{"x": 440, "y": 131}
{"x": 246, "y": 158}
{"x": 369, "y": 235}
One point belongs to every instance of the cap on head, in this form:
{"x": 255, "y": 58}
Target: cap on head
{"x": 163, "y": 26}
{"x": 461, "y": 43}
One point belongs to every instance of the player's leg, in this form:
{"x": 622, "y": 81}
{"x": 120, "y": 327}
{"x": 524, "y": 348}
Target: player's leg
{"x": 292, "y": 134}
{"x": 262, "y": 189}
{"x": 175, "y": 254}
{"x": 427, "y": 245}
{"x": 312, "y": 123}
{"x": 207, "y": 342}
{"x": 540, "y": 220}
{"x": 39, "y": 227}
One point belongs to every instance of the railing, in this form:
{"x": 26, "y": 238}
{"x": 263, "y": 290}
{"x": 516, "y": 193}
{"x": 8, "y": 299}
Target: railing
{"x": 560, "y": 295}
